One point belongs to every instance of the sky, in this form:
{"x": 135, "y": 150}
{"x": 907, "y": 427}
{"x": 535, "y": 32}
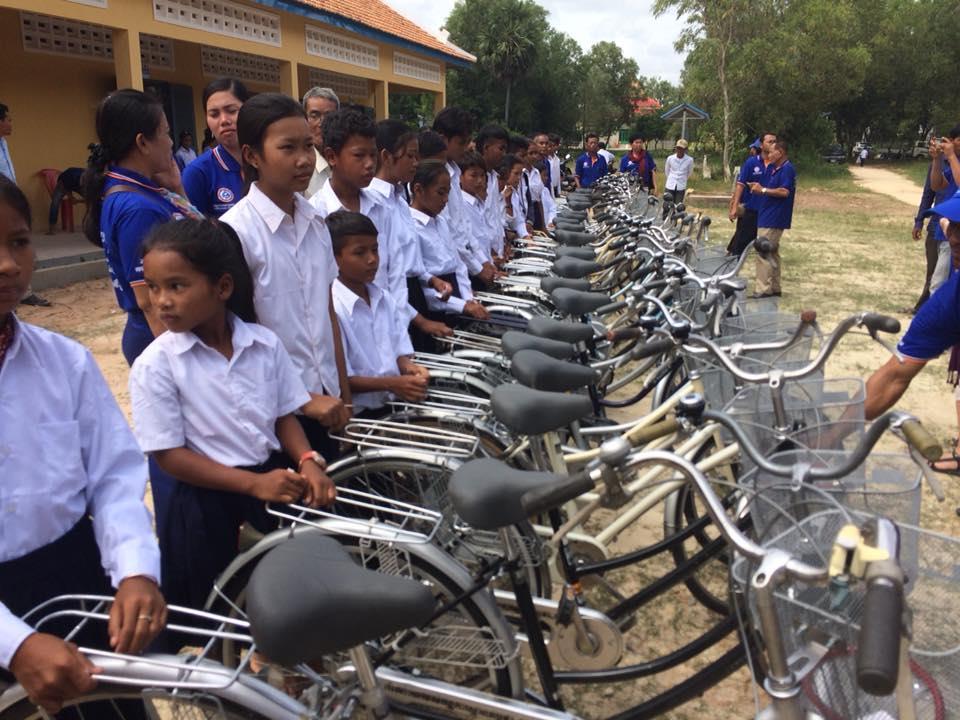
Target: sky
{"x": 646, "y": 39}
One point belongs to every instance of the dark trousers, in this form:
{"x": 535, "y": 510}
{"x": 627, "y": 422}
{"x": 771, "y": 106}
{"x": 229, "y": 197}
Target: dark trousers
{"x": 677, "y": 195}
{"x": 930, "y": 251}
{"x": 745, "y": 233}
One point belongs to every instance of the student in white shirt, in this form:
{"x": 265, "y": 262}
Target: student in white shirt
{"x": 491, "y": 143}
{"x": 520, "y": 219}
{"x": 473, "y": 184}
{"x": 213, "y": 401}
{"x": 431, "y": 186}
{"x": 511, "y": 170}
{"x": 287, "y": 247}
{"x": 75, "y": 477}
{"x": 546, "y": 195}
{"x": 398, "y": 155}
{"x": 375, "y": 339}
{"x": 677, "y": 169}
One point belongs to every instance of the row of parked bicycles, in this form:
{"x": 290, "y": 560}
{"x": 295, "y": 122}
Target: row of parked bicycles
{"x": 627, "y": 427}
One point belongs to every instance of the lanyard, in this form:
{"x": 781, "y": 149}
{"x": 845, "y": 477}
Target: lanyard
{"x": 179, "y": 204}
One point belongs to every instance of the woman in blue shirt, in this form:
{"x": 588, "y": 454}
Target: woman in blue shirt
{"x": 213, "y": 181}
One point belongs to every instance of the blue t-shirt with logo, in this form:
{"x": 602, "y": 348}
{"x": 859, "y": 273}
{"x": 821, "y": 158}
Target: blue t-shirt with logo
{"x": 213, "y": 182}
{"x": 629, "y": 165}
{"x": 942, "y": 196}
{"x": 751, "y": 171}
{"x": 936, "y": 326}
{"x": 589, "y": 172}
{"x": 777, "y": 212}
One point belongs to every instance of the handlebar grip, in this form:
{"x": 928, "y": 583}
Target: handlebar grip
{"x": 651, "y": 349}
{"x": 762, "y": 245}
{"x": 808, "y": 317}
{"x": 706, "y": 221}
{"x": 878, "y": 649}
{"x": 880, "y": 323}
{"x": 611, "y": 307}
{"x": 921, "y": 439}
{"x": 624, "y": 334}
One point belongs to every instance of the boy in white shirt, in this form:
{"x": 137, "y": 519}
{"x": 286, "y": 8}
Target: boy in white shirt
{"x": 677, "y": 168}
{"x": 491, "y": 143}
{"x": 473, "y": 184}
{"x": 377, "y": 347}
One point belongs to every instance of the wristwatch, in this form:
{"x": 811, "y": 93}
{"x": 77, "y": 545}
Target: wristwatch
{"x": 763, "y": 191}
{"x": 315, "y": 457}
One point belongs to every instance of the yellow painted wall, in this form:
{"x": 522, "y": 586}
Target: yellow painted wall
{"x": 53, "y": 98}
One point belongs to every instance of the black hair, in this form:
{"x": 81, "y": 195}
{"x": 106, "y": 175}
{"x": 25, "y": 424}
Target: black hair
{"x": 393, "y": 136}
{"x": 185, "y": 134}
{"x": 431, "y": 143}
{"x": 488, "y": 133}
{"x": 591, "y": 135}
{"x": 339, "y": 126}
{"x": 212, "y": 248}
{"x": 506, "y": 165}
{"x": 427, "y": 173}
{"x": 637, "y": 136}
{"x": 453, "y": 122}
{"x": 208, "y": 140}
{"x": 602, "y": 145}
{"x": 226, "y": 84}
{"x": 767, "y": 132}
{"x": 554, "y": 138}
{"x": 255, "y": 117}
{"x": 540, "y": 165}
{"x": 784, "y": 148}
{"x": 518, "y": 142}
{"x": 14, "y": 197}
{"x": 472, "y": 159}
{"x": 121, "y": 117}
{"x": 954, "y": 132}
{"x": 538, "y": 133}
{"x": 3, "y": 111}
{"x": 344, "y": 223}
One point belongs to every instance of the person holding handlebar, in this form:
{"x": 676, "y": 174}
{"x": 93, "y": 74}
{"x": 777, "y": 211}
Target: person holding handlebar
{"x": 935, "y": 328}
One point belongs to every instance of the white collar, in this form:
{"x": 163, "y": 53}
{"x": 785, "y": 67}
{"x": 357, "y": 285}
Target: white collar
{"x": 350, "y": 299}
{"x": 272, "y": 215}
{"x": 421, "y": 217}
{"x": 241, "y": 337}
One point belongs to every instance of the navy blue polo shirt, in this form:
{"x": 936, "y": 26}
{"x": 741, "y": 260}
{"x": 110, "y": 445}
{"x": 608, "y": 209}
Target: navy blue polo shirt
{"x": 125, "y": 220}
{"x": 589, "y": 172}
{"x": 213, "y": 182}
{"x": 777, "y": 212}
{"x": 942, "y": 195}
{"x": 936, "y": 326}
{"x": 751, "y": 171}
{"x": 629, "y": 165}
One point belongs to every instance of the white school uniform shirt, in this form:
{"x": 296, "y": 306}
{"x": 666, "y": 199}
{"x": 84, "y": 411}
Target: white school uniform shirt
{"x": 549, "y": 206}
{"x": 494, "y": 211}
{"x": 184, "y": 393}
{"x": 374, "y": 336}
{"x": 293, "y": 267}
{"x": 479, "y": 230}
{"x": 321, "y": 173}
{"x": 391, "y": 273}
{"x": 66, "y": 450}
{"x": 555, "y": 174}
{"x": 518, "y": 202}
{"x": 677, "y": 171}
{"x": 441, "y": 258}
{"x": 456, "y": 219}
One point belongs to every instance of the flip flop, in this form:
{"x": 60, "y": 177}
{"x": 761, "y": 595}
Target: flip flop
{"x": 954, "y": 458}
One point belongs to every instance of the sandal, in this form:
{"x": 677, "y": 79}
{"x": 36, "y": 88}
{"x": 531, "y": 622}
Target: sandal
{"x": 953, "y": 457}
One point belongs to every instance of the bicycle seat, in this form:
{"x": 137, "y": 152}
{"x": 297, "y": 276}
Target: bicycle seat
{"x": 513, "y": 341}
{"x": 542, "y": 372}
{"x": 307, "y": 598}
{"x": 569, "y": 332}
{"x": 568, "y": 225}
{"x": 571, "y": 267}
{"x": 534, "y": 412}
{"x": 574, "y": 302}
{"x": 580, "y": 253}
{"x": 551, "y": 283}
{"x": 488, "y": 494}
{"x": 568, "y": 214}
{"x": 574, "y": 237}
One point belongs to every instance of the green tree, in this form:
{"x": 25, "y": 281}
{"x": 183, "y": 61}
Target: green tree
{"x": 505, "y": 35}
{"x": 608, "y": 88}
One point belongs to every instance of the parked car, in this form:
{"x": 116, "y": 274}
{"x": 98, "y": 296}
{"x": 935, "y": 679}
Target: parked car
{"x": 920, "y": 149}
{"x": 833, "y": 154}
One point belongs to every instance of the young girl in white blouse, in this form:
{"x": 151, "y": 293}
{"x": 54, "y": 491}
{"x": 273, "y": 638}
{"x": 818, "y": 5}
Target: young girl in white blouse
{"x": 213, "y": 401}
{"x": 287, "y": 248}
{"x": 72, "y": 490}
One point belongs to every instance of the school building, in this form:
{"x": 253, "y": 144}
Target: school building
{"x": 59, "y": 58}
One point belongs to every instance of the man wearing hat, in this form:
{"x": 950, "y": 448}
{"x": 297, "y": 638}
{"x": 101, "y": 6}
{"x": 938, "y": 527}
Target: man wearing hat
{"x": 677, "y": 168}
{"x": 743, "y": 204}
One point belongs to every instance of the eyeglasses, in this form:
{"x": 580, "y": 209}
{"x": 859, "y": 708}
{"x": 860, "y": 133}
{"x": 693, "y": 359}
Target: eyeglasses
{"x": 316, "y": 115}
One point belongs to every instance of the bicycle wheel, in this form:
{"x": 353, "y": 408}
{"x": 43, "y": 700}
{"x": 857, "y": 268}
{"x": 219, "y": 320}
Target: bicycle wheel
{"x": 462, "y": 646}
{"x": 121, "y": 702}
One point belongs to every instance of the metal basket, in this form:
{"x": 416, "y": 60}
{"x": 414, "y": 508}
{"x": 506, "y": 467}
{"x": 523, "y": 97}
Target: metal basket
{"x": 886, "y": 484}
{"x": 390, "y": 435}
{"x": 830, "y": 616}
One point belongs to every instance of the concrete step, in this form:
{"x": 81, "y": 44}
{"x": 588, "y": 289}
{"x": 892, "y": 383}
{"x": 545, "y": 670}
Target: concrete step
{"x": 64, "y": 270}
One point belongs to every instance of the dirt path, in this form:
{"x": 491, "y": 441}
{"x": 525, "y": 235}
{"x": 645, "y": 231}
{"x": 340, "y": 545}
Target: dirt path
{"x": 887, "y": 182}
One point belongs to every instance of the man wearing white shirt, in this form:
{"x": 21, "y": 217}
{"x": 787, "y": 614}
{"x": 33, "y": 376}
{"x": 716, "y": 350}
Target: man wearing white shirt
{"x": 491, "y": 143}
{"x": 318, "y": 102}
{"x": 556, "y": 174}
{"x": 677, "y": 169}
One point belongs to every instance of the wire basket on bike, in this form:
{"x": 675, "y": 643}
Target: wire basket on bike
{"x": 829, "y": 617}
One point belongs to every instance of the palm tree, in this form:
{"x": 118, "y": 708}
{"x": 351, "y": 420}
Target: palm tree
{"x": 509, "y": 48}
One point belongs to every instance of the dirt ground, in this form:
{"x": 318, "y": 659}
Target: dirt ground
{"x": 818, "y": 249}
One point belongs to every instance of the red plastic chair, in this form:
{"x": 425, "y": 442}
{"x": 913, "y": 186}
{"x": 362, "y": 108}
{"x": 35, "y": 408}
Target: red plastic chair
{"x": 49, "y": 177}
